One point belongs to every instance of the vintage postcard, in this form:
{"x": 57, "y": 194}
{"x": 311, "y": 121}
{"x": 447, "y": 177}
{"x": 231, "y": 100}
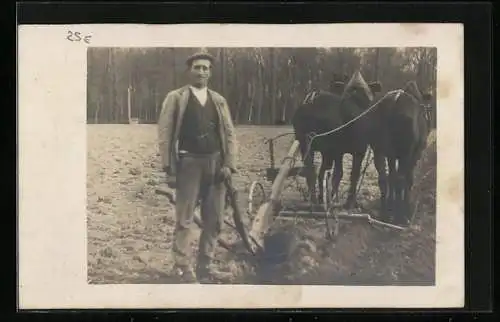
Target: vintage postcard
{"x": 186, "y": 166}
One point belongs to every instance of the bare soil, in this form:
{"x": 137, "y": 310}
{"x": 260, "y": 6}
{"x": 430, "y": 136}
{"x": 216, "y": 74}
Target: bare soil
{"x": 130, "y": 225}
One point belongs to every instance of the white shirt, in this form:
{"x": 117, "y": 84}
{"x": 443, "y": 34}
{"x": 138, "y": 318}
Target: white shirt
{"x": 201, "y": 94}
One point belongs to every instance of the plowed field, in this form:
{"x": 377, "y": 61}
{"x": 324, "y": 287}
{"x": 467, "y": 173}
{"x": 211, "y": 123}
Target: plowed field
{"x": 130, "y": 225}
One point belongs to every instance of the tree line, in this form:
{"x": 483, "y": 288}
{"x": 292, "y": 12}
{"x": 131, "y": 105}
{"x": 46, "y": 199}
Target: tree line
{"x": 261, "y": 85}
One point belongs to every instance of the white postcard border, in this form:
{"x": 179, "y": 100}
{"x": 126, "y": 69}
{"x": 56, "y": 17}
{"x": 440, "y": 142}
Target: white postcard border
{"x": 52, "y": 166}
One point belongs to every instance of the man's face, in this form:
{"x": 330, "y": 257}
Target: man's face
{"x": 200, "y": 72}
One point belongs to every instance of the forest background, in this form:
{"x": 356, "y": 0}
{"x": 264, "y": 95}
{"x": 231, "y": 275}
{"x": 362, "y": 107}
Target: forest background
{"x": 263, "y": 86}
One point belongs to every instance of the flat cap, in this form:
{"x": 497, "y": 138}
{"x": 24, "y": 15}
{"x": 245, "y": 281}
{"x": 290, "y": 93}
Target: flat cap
{"x": 200, "y": 55}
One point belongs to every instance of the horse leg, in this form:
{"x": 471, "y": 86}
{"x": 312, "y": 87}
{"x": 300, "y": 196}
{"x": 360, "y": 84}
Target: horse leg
{"x": 393, "y": 193}
{"x": 326, "y": 163}
{"x": 400, "y": 208}
{"x": 379, "y": 162}
{"x": 338, "y": 173}
{"x": 357, "y": 160}
{"x": 406, "y": 179}
{"x": 310, "y": 174}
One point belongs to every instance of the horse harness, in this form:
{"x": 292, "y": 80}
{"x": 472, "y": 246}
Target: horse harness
{"x": 427, "y": 108}
{"x": 309, "y": 99}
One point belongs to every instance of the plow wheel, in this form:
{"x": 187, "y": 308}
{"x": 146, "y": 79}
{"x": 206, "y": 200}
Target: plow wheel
{"x": 331, "y": 220}
{"x": 257, "y": 196}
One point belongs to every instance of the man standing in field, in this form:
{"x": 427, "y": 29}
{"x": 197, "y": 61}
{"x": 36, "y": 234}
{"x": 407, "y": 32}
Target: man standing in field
{"x": 197, "y": 145}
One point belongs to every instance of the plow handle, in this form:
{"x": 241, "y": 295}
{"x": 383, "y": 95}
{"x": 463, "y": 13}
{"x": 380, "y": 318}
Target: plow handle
{"x": 237, "y": 214}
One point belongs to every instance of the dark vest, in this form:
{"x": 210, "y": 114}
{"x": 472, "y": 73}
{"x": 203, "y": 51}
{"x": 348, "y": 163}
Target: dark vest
{"x": 200, "y": 125}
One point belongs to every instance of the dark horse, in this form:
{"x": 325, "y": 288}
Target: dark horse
{"x": 394, "y": 127}
{"x": 399, "y": 136}
{"x": 324, "y": 111}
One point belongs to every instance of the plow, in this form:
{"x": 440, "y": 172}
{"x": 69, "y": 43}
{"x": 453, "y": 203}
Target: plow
{"x": 272, "y": 208}
{"x": 265, "y": 207}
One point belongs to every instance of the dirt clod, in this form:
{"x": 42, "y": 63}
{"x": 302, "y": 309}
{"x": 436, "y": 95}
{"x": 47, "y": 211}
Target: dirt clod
{"x": 134, "y": 171}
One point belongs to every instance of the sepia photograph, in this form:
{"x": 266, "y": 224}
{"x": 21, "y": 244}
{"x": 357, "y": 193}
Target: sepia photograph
{"x": 193, "y": 168}
{"x": 188, "y": 146}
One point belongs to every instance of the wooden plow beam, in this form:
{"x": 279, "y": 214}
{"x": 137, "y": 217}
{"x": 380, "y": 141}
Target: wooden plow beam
{"x": 272, "y": 206}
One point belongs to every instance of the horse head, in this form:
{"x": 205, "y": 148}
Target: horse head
{"x": 411, "y": 88}
{"x": 423, "y": 99}
{"x": 337, "y": 87}
{"x": 427, "y": 97}
{"x": 361, "y": 91}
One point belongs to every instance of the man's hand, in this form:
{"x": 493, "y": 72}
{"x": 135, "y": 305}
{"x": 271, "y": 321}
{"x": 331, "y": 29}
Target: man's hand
{"x": 226, "y": 172}
{"x": 169, "y": 177}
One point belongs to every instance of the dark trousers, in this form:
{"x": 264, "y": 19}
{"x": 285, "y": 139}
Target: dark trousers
{"x": 197, "y": 180}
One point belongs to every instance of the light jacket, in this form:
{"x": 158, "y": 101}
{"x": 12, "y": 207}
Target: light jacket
{"x": 170, "y": 121}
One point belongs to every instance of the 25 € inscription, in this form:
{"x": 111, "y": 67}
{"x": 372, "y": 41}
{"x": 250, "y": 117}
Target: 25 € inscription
{"x": 76, "y": 36}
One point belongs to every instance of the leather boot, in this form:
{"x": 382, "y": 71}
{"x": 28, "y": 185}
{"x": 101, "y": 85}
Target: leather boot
{"x": 185, "y": 274}
{"x": 210, "y": 274}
